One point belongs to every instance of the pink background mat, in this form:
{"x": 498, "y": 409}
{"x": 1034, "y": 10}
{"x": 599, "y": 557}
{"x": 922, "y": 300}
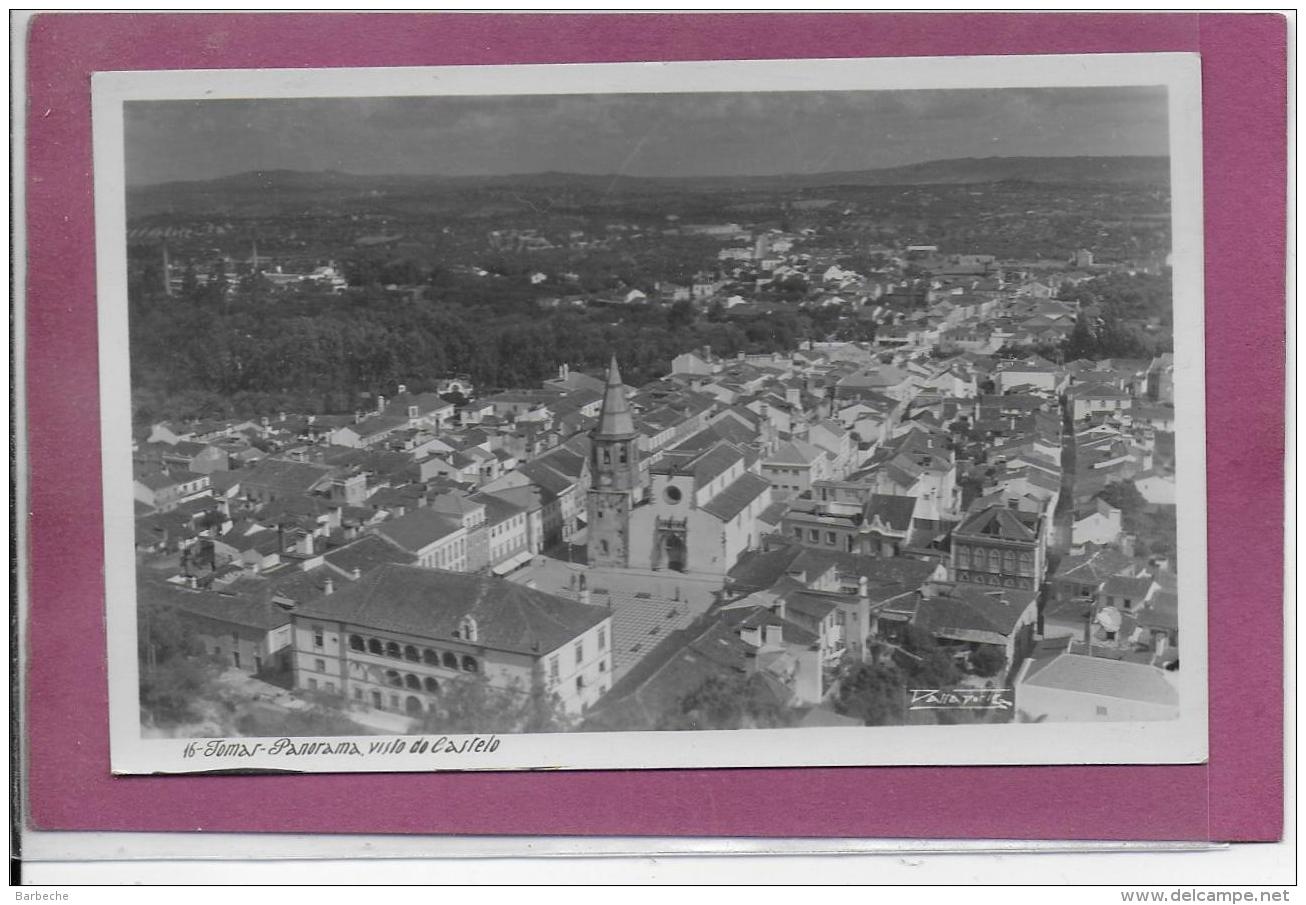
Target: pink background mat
{"x": 1238, "y": 796}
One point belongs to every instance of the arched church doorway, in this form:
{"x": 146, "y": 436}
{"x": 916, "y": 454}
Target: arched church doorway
{"x": 676, "y": 554}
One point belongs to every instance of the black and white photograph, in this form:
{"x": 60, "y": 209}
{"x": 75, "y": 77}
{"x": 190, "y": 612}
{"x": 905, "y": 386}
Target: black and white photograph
{"x": 654, "y": 415}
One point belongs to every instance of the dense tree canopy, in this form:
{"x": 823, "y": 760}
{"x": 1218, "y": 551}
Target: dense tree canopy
{"x": 876, "y": 693}
{"x": 317, "y": 353}
{"x": 323, "y": 717}
{"x": 175, "y": 672}
{"x": 1122, "y": 314}
{"x": 471, "y": 705}
{"x": 988, "y": 660}
{"x": 1154, "y": 526}
{"x": 738, "y": 702}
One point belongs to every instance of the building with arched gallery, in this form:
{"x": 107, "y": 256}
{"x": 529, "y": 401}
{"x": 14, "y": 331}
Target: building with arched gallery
{"x": 395, "y": 640}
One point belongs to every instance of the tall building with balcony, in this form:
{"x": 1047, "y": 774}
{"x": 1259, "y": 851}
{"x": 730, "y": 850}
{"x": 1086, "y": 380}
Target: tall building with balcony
{"x": 1000, "y": 547}
{"x": 399, "y": 637}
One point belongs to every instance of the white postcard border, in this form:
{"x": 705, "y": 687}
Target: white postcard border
{"x": 1179, "y": 741}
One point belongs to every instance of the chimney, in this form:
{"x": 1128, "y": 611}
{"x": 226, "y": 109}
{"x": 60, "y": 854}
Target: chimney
{"x": 357, "y": 573}
{"x": 935, "y": 588}
{"x": 584, "y": 595}
{"x": 329, "y": 586}
{"x": 304, "y": 545}
{"x": 402, "y": 389}
{"x": 468, "y": 629}
{"x": 778, "y": 608}
{"x": 399, "y": 511}
{"x": 860, "y": 632}
{"x": 380, "y": 403}
{"x": 772, "y": 636}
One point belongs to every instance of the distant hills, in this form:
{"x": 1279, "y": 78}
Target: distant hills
{"x": 289, "y": 186}
{"x": 970, "y": 170}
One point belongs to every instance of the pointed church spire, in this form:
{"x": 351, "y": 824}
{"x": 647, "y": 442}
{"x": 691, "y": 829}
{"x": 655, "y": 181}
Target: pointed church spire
{"x": 615, "y": 422}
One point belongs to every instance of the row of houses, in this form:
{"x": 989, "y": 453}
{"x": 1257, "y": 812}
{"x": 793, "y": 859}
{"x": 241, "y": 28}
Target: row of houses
{"x": 965, "y": 483}
{"x": 944, "y": 472}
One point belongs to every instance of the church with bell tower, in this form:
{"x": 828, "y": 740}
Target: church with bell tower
{"x": 614, "y": 478}
{"x": 695, "y": 511}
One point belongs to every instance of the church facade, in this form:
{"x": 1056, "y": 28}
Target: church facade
{"x": 698, "y": 512}
{"x": 702, "y": 512}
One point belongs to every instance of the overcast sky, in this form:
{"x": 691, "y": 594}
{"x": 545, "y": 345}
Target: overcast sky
{"x": 637, "y": 134}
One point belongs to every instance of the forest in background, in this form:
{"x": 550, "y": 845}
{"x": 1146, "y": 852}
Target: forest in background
{"x": 194, "y": 359}
{"x": 434, "y": 291}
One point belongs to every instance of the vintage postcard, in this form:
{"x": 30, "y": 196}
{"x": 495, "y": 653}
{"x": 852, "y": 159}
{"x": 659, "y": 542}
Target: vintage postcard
{"x": 710, "y": 414}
